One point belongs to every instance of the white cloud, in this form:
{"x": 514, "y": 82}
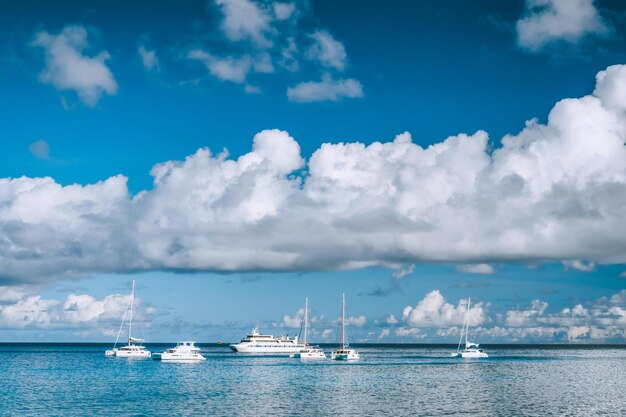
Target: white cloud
{"x": 149, "y": 58}
{"x": 247, "y": 20}
{"x": 580, "y": 265}
{"x": 401, "y": 273}
{"x": 76, "y": 311}
{"x": 67, "y": 68}
{"x": 283, "y": 11}
{"x": 552, "y": 192}
{"x": 358, "y": 321}
{"x": 434, "y": 311}
{"x": 522, "y": 318}
{"x": 391, "y": 319}
{"x": 228, "y": 68}
{"x": 384, "y": 333}
{"x": 294, "y": 321}
{"x": 327, "y": 50}
{"x": 40, "y": 149}
{"x": 328, "y": 89}
{"x": 476, "y": 269}
{"x": 549, "y": 21}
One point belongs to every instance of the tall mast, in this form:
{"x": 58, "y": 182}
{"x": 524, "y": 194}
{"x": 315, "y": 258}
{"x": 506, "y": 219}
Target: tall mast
{"x": 469, "y": 300}
{"x": 306, "y": 314}
{"x": 343, "y": 322}
{"x": 130, "y": 320}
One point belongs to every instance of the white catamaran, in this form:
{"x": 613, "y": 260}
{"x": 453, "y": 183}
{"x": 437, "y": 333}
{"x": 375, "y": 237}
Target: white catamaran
{"x": 309, "y": 352}
{"x": 471, "y": 349}
{"x": 133, "y": 349}
{"x": 344, "y": 353}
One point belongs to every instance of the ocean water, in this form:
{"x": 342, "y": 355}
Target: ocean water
{"x": 393, "y": 380}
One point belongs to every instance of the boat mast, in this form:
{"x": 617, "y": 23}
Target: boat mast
{"x": 306, "y": 313}
{"x": 342, "y": 330}
{"x": 130, "y": 320}
{"x": 469, "y": 300}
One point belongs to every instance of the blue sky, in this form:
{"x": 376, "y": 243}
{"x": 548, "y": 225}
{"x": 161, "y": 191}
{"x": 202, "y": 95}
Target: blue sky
{"x": 106, "y": 105}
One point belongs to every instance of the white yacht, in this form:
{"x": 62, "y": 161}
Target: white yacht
{"x": 344, "y": 353}
{"x": 309, "y": 352}
{"x": 256, "y": 342}
{"x": 183, "y": 352}
{"x": 134, "y": 348}
{"x": 472, "y": 350}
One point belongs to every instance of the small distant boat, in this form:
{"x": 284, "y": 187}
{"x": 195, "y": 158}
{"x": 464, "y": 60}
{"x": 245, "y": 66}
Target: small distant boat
{"x": 134, "y": 348}
{"x": 183, "y": 352}
{"x": 344, "y": 353}
{"x": 309, "y": 352}
{"x": 472, "y": 350}
{"x": 256, "y": 342}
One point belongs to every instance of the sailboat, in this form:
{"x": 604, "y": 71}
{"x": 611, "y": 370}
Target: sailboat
{"x": 472, "y": 349}
{"x": 344, "y": 353}
{"x": 133, "y": 349}
{"x": 309, "y": 352}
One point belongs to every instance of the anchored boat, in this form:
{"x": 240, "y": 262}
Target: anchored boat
{"x": 183, "y": 352}
{"x": 309, "y": 352}
{"x": 344, "y": 353}
{"x": 134, "y": 348}
{"x": 472, "y": 350}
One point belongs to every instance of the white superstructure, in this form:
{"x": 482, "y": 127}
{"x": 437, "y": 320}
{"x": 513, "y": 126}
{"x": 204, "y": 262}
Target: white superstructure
{"x": 344, "y": 353}
{"x": 472, "y": 349}
{"x": 256, "y": 342}
{"x": 309, "y": 352}
{"x": 133, "y": 349}
{"x": 183, "y": 352}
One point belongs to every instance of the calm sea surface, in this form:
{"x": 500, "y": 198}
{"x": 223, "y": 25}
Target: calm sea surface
{"x": 78, "y": 380}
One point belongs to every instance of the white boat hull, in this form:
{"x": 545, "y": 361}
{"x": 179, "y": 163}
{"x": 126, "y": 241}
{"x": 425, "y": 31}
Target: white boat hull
{"x": 469, "y": 354}
{"x": 132, "y": 354}
{"x": 345, "y": 356}
{"x": 285, "y": 349}
{"x": 309, "y": 354}
{"x": 172, "y": 357}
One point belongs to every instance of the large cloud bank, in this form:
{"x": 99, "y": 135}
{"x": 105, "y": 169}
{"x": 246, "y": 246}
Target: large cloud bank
{"x": 555, "y": 191}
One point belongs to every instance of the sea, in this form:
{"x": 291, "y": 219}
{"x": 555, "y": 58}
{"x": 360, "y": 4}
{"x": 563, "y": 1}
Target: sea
{"x": 43, "y": 379}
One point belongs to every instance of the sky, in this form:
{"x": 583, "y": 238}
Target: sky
{"x": 236, "y": 156}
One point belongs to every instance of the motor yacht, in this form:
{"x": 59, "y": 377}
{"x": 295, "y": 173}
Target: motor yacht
{"x": 183, "y": 352}
{"x": 256, "y": 342}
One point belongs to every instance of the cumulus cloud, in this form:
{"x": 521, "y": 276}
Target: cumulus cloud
{"x": 227, "y": 69}
{"x": 247, "y": 20}
{"x": 580, "y": 265}
{"x": 149, "y": 58}
{"x": 327, "y": 50}
{"x": 328, "y": 89}
{"x": 76, "y": 311}
{"x": 403, "y": 272}
{"x": 68, "y": 68}
{"x": 550, "y": 21}
{"x": 476, "y": 269}
{"x": 265, "y": 37}
{"x": 602, "y": 319}
{"x": 434, "y": 311}
{"x": 40, "y": 149}
{"x": 554, "y": 191}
